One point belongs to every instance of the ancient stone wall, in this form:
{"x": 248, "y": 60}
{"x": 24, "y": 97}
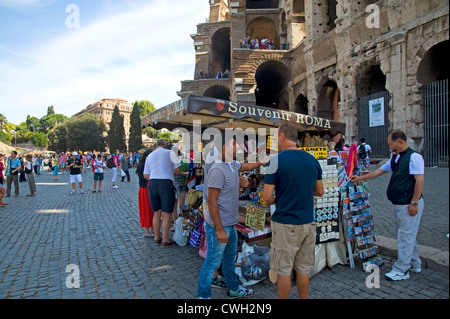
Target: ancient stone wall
{"x": 336, "y": 52}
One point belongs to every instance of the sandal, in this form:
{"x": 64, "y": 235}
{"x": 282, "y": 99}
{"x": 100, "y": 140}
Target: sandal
{"x": 158, "y": 241}
{"x": 168, "y": 244}
{"x": 93, "y": 192}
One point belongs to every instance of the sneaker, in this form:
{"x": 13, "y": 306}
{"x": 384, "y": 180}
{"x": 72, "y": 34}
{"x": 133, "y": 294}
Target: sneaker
{"x": 241, "y": 293}
{"x": 115, "y": 186}
{"x": 219, "y": 282}
{"x": 81, "y": 191}
{"x": 72, "y": 192}
{"x": 416, "y": 270}
{"x": 396, "y": 276}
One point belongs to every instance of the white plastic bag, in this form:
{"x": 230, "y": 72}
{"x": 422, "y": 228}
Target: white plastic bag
{"x": 179, "y": 236}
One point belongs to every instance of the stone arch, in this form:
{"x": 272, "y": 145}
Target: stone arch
{"x": 301, "y": 104}
{"x": 263, "y": 27}
{"x": 370, "y": 79}
{"x": 220, "y": 57}
{"x": 272, "y": 78}
{"x": 256, "y": 63}
{"x": 428, "y": 43}
{"x": 434, "y": 65}
{"x": 328, "y": 100}
{"x": 218, "y": 92}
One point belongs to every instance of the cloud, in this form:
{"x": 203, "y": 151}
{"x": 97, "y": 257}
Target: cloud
{"x": 142, "y": 53}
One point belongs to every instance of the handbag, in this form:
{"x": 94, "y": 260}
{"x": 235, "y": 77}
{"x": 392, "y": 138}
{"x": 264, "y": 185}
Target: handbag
{"x": 122, "y": 173}
{"x": 27, "y": 170}
{"x": 196, "y": 237}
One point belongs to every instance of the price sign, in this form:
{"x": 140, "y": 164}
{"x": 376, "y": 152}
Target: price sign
{"x": 272, "y": 143}
{"x": 317, "y": 152}
{"x": 255, "y": 217}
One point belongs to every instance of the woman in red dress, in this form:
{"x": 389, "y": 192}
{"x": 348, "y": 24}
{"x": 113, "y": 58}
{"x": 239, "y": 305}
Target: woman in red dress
{"x": 145, "y": 208}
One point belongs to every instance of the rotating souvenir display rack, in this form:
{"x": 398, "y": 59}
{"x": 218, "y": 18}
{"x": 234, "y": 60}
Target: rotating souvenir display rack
{"x": 358, "y": 224}
{"x": 326, "y": 207}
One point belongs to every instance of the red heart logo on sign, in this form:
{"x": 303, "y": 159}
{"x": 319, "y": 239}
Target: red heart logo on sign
{"x": 220, "y": 105}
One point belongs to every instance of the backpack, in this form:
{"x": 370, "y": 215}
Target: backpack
{"x": 362, "y": 153}
{"x": 110, "y": 163}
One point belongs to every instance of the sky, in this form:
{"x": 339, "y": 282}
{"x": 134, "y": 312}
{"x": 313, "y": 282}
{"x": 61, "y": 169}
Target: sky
{"x": 71, "y": 53}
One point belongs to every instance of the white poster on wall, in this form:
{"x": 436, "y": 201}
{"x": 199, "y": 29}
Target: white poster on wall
{"x": 376, "y": 112}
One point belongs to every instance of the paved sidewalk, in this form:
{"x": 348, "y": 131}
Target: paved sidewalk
{"x": 100, "y": 234}
{"x": 434, "y": 225}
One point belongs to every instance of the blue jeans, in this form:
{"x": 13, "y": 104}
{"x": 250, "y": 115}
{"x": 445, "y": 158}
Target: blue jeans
{"x": 217, "y": 253}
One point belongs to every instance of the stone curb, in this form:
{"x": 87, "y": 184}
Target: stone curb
{"x": 432, "y": 258}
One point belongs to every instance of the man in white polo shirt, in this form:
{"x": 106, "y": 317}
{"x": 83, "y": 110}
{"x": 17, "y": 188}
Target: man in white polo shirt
{"x": 405, "y": 193}
{"x": 159, "y": 169}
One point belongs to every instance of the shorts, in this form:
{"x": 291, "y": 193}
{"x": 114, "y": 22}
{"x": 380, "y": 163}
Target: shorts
{"x": 364, "y": 162}
{"x": 75, "y": 178}
{"x": 180, "y": 189}
{"x": 293, "y": 247}
{"x": 162, "y": 195}
{"x": 98, "y": 176}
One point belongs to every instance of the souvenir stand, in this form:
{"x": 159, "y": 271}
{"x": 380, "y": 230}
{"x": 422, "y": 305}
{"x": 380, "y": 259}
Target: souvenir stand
{"x": 358, "y": 223}
{"x": 254, "y": 215}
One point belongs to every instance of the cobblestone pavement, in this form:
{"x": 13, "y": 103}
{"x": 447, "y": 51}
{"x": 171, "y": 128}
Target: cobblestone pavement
{"x": 435, "y": 219}
{"x": 100, "y": 234}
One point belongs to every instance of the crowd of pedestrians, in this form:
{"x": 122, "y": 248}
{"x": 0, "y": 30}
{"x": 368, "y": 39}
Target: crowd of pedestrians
{"x": 15, "y": 169}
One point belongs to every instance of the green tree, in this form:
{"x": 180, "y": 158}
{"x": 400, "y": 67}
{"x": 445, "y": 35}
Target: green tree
{"x": 57, "y": 139}
{"x": 168, "y": 136}
{"x": 8, "y": 127}
{"x": 22, "y": 133}
{"x": 6, "y": 137}
{"x": 50, "y": 110}
{"x": 135, "y": 137}
{"x": 116, "y": 133}
{"x": 33, "y": 123}
{"x": 145, "y": 107}
{"x": 150, "y": 132}
{"x": 86, "y": 133}
{"x": 48, "y": 122}
{"x": 3, "y": 120}
{"x": 38, "y": 139}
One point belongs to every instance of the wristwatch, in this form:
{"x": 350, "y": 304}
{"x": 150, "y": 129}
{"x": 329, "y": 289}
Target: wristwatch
{"x": 414, "y": 203}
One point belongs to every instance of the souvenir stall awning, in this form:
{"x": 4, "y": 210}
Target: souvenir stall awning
{"x": 217, "y": 113}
